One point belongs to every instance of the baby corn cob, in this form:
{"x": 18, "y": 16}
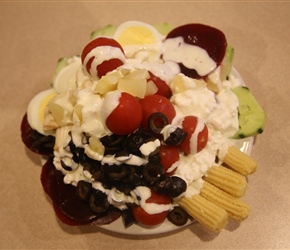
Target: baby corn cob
{"x": 240, "y": 161}
{"x": 206, "y": 212}
{"x": 227, "y": 180}
{"x": 236, "y": 208}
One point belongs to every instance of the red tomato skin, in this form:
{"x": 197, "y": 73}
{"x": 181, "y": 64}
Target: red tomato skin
{"x": 100, "y": 41}
{"x": 189, "y": 124}
{"x": 163, "y": 88}
{"x": 126, "y": 117}
{"x": 151, "y": 219}
{"x": 107, "y": 65}
{"x": 156, "y": 103}
{"x": 169, "y": 155}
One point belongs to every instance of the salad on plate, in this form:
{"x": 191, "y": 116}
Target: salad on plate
{"x": 149, "y": 126}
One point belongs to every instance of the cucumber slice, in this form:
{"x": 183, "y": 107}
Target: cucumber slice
{"x": 107, "y": 31}
{"x": 252, "y": 117}
{"x": 227, "y": 63}
{"x": 163, "y": 28}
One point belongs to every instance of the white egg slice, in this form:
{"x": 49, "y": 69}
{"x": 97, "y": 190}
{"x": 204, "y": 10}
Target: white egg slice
{"x": 36, "y": 110}
{"x": 66, "y": 77}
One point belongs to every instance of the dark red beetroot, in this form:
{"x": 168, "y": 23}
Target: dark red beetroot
{"x": 68, "y": 207}
{"x": 204, "y": 36}
{"x": 36, "y": 142}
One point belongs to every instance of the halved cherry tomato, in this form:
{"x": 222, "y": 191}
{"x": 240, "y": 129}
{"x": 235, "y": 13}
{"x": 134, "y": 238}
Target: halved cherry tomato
{"x": 110, "y": 63}
{"x": 197, "y": 136}
{"x": 151, "y": 219}
{"x": 169, "y": 158}
{"x": 156, "y": 103}
{"x": 126, "y": 117}
{"x": 163, "y": 88}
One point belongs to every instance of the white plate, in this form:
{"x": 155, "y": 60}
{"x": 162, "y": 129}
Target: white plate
{"x": 118, "y": 227}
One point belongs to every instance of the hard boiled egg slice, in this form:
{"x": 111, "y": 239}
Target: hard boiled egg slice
{"x": 65, "y": 79}
{"x": 136, "y": 37}
{"x": 36, "y": 110}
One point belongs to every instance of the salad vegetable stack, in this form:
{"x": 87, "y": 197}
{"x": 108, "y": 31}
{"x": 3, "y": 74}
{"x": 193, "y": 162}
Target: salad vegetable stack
{"x": 148, "y": 123}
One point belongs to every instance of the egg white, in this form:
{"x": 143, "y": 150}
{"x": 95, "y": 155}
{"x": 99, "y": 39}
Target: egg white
{"x": 36, "y": 110}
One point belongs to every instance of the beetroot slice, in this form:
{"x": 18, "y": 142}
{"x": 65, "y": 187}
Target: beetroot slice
{"x": 68, "y": 207}
{"x": 204, "y": 36}
{"x": 36, "y": 142}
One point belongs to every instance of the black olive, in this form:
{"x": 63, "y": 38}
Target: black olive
{"x": 112, "y": 140}
{"x": 152, "y": 172}
{"x": 176, "y": 137}
{"x": 132, "y": 178}
{"x": 98, "y": 201}
{"x": 178, "y": 186}
{"x": 128, "y": 217}
{"x": 178, "y": 216}
{"x": 163, "y": 185}
{"x": 154, "y": 157}
{"x": 115, "y": 172}
{"x": 68, "y": 164}
{"x": 42, "y": 142}
{"x": 134, "y": 142}
{"x": 157, "y": 121}
{"x": 122, "y": 153}
{"x": 112, "y": 143}
{"x": 84, "y": 190}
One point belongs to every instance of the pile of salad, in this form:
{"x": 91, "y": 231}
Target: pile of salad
{"x": 135, "y": 121}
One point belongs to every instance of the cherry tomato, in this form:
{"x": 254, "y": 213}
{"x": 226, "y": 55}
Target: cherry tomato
{"x": 152, "y": 219}
{"x": 126, "y": 117}
{"x": 197, "y": 136}
{"x": 104, "y": 66}
{"x": 169, "y": 158}
{"x": 163, "y": 88}
{"x": 156, "y": 103}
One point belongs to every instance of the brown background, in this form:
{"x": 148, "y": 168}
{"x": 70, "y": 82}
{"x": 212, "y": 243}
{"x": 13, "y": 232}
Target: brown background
{"x": 34, "y": 35}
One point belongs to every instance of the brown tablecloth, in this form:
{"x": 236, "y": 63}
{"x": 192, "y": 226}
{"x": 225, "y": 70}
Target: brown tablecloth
{"x": 35, "y": 34}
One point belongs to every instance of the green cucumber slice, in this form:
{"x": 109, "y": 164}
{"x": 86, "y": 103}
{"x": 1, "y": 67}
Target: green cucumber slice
{"x": 227, "y": 63}
{"x": 107, "y": 31}
{"x": 252, "y": 117}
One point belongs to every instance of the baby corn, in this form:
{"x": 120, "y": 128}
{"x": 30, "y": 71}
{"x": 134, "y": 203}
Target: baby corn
{"x": 227, "y": 180}
{"x": 236, "y": 208}
{"x": 206, "y": 212}
{"x": 240, "y": 161}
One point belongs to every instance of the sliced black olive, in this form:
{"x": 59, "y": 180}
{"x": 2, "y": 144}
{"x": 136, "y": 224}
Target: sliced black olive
{"x": 112, "y": 140}
{"x": 122, "y": 154}
{"x": 98, "y": 201}
{"x": 178, "y": 216}
{"x": 112, "y": 143}
{"x": 178, "y": 186}
{"x": 152, "y": 172}
{"x": 154, "y": 157}
{"x": 84, "y": 190}
{"x": 157, "y": 121}
{"x": 43, "y": 142}
{"x": 115, "y": 172}
{"x": 68, "y": 164}
{"x": 128, "y": 217}
{"x": 133, "y": 178}
{"x": 176, "y": 137}
{"x": 134, "y": 142}
{"x": 163, "y": 185}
